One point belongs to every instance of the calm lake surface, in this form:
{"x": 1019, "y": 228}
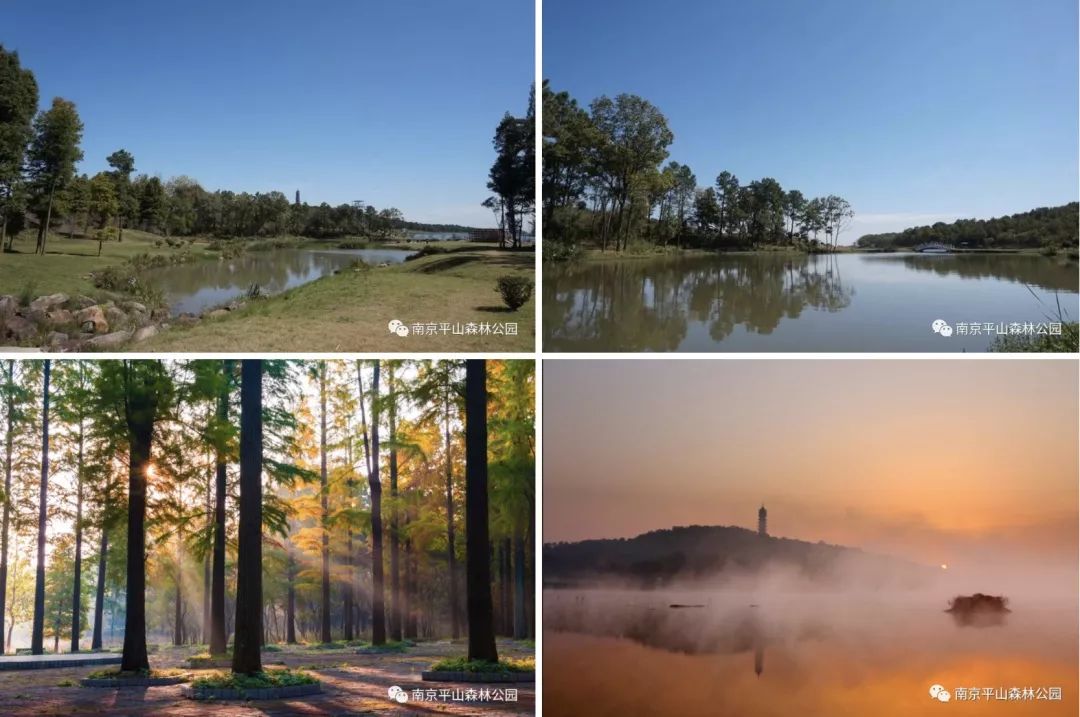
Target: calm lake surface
{"x": 201, "y": 285}
{"x": 783, "y": 302}
{"x": 609, "y": 654}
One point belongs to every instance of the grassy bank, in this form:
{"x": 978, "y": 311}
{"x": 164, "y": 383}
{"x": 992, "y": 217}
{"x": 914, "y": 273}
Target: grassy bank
{"x": 67, "y": 263}
{"x": 350, "y": 311}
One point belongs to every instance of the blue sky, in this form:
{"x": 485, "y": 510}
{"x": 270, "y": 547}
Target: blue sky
{"x": 391, "y": 102}
{"x": 914, "y": 110}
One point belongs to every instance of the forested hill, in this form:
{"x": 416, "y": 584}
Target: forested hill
{"x": 1053, "y": 227}
{"x": 440, "y": 228}
{"x": 706, "y": 552}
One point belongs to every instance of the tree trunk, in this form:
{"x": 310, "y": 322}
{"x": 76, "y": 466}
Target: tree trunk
{"x": 290, "y": 605}
{"x": 218, "y": 639}
{"x": 324, "y": 500}
{"x": 395, "y": 543}
{"x": 451, "y": 558}
{"x": 520, "y": 627}
{"x": 76, "y": 590}
{"x": 9, "y": 448}
{"x": 178, "y": 632}
{"x": 43, "y": 229}
{"x": 378, "y": 609}
{"x": 99, "y": 599}
{"x": 135, "y": 658}
{"x": 477, "y": 544}
{"x": 246, "y": 656}
{"x": 37, "y": 645}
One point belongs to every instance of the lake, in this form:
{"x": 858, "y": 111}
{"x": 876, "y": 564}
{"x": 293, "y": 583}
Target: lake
{"x": 789, "y": 302}
{"x": 614, "y": 653}
{"x": 201, "y": 285}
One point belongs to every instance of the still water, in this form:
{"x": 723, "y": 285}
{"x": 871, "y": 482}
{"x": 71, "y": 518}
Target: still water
{"x": 781, "y": 302}
{"x": 201, "y": 285}
{"x": 629, "y": 653}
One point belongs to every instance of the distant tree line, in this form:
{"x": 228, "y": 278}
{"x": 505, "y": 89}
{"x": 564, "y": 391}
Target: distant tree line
{"x": 40, "y": 150}
{"x": 605, "y": 183}
{"x": 1045, "y": 227}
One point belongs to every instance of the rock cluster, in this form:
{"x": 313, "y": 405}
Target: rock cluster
{"x": 59, "y": 322}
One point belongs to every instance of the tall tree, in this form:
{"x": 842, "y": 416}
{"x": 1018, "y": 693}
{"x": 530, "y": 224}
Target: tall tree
{"x": 395, "y": 527}
{"x": 123, "y": 164}
{"x": 52, "y": 157}
{"x": 37, "y": 634}
{"x": 477, "y": 542}
{"x": 324, "y": 498}
{"x": 18, "y": 103}
{"x": 135, "y": 396}
{"x": 249, "y": 607}
{"x": 378, "y": 590}
{"x": 220, "y": 437}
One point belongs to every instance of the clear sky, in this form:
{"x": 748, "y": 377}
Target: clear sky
{"x": 932, "y": 460}
{"x": 914, "y": 110}
{"x": 394, "y": 103}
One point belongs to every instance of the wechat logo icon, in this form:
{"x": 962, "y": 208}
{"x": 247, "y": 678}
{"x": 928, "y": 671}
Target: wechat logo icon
{"x": 941, "y": 327}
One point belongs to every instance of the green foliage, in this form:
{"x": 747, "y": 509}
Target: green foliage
{"x": 504, "y": 666}
{"x": 515, "y": 290}
{"x": 259, "y": 680}
{"x": 1067, "y": 342}
{"x": 1051, "y": 228}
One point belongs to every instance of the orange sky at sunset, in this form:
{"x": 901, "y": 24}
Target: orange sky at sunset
{"x": 934, "y": 460}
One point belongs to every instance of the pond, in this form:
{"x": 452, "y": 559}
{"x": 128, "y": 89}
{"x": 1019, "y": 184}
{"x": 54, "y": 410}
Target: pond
{"x": 201, "y": 285}
{"x": 628, "y": 652}
{"x": 789, "y": 302}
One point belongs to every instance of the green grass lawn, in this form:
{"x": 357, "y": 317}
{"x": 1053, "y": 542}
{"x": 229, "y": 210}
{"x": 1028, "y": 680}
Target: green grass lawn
{"x": 350, "y": 311}
{"x": 68, "y": 262}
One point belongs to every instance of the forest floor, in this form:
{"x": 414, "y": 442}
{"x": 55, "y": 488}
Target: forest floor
{"x": 351, "y": 311}
{"x": 352, "y": 685}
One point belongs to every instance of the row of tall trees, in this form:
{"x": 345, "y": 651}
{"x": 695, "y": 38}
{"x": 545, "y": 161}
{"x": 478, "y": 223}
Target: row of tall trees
{"x": 512, "y": 177}
{"x": 39, "y": 153}
{"x": 270, "y": 501}
{"x": 605, "y": 183}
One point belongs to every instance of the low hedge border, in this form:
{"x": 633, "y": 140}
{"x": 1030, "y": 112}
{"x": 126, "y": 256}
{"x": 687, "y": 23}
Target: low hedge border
{"x": 453, "y": 676}
{"x": 261, "y": 693}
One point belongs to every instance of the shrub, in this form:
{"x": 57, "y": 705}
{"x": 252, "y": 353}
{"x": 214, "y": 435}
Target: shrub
{"x": 260, "y": 680}
{"x": 505, "y": 665}
{"x": 515, "y": 290}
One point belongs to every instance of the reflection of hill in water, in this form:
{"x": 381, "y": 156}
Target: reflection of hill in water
{"x": 1030, "y": 269}
{"x": 645, "y": 305}
{"x": 707, "y": 553}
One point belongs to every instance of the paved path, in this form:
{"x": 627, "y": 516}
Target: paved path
{"x": 353, "y": 686}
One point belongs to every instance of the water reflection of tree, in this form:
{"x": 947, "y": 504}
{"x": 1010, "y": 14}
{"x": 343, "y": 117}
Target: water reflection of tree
{"x": 1019, "y": 268}
{"x": 646, "y": 305}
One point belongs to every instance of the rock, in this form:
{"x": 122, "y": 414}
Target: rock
{"x": 217, "y": 313}
{"x": 59, "y": 317}
{"x": 115, "y": 316}
{"x": 81, "y": 302}
{"x": 8, "y": 306}
{"x": 56, "y": 339}
{"x": 135, "y": 306}
{"x": 37, "y": 314}
{"x": 187, "y": 319}
{"x": 46, "y": 303}
{"x": 92, "y": 320}
{"x": 144, "y": 333}
{"x": 20, "y": 329}
{"x": 109, "y": 341}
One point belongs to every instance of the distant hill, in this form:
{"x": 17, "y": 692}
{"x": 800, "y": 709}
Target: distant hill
{"x": 700, "y": 552}
{"x": 1044, "y": 227}
{"x": 440, "y": 228}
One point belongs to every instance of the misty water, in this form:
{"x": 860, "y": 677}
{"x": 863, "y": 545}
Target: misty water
{"x": 754, "y": 653}
{"x": 201, "y": 285}
{"x": 788, "y": 302}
